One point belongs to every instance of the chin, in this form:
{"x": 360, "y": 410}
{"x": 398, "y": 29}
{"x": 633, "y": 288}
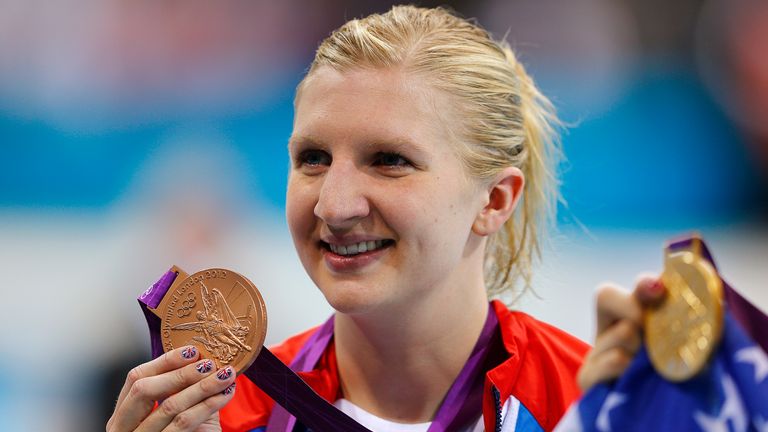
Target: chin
{"x": 352, "y": 299}
{"x": 350, "y": 304}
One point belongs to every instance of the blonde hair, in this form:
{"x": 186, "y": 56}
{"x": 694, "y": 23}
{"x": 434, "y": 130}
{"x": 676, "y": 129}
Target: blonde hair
{"x": 508, "y": 122}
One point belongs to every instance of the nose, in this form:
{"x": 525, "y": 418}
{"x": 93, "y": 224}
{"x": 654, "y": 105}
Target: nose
{"x": 342, "y": 202}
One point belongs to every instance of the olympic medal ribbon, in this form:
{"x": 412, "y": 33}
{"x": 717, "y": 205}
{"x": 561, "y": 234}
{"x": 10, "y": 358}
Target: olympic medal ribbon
{"x": 461, "y": 405}
{"x": 150, "y": 300}
{"x": 752, "y": 320}
{"x": 464, "y": 401}
{"x": 280, "y": 419}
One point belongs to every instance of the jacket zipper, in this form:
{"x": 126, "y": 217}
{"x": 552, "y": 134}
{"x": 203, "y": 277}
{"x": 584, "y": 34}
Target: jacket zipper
{"x": 497, "y": 406}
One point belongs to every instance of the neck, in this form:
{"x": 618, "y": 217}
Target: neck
{"x": 401, "y": 369}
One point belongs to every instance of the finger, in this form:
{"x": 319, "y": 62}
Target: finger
{"x": 624, "y": 334}
{"x": 171, "y": 360}
{"x": 212, "y": 423}
{"x": 190, "y": 407}
{"x": 204, "y": 412}
{"x": 602, "y": 367}
{"x": 649, "y": 290}
{"x": 604, "y": 361}
{"x": 615, "y": 303}
{"x": 141, "y": 398}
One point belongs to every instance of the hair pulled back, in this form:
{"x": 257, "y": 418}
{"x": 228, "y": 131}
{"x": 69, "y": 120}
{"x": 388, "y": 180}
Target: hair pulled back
{"x": 505, "y": 120}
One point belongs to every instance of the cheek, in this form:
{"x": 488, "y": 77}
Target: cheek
{"x": 299, "y": 210}
{"x": 453, "y": 211}
{"x": 439, "y": 217}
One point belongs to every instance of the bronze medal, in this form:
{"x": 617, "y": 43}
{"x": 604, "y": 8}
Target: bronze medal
{"x": 218, "y": 311}
{"x": 682, "y": 333}
{"x": 223, "y": 314}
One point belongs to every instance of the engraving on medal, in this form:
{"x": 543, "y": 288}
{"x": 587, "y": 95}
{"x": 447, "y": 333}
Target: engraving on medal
{"x": 220, "y": 331}
{"x": 683, "y": 331}
{"x": 187, "y": 306}
{"x": 220, "y": 312}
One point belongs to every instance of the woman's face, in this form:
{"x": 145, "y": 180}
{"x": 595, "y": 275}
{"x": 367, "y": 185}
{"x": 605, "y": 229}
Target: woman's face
{"x": 379, "y": 205}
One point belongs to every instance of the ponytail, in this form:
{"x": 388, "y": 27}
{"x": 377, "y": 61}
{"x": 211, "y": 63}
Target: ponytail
{"x": 517, "y": 246}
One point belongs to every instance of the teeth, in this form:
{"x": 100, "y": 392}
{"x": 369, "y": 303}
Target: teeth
{"x": 356, "y": 248}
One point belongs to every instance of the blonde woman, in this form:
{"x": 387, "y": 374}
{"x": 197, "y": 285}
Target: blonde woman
{"x": 421, "y": 173}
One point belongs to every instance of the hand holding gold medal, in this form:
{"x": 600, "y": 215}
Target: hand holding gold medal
{"x": 683, "y": 331}
{"x": 678, "y": 316}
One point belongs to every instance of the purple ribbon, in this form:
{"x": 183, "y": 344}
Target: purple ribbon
{"x": 306, "y": 360}
{"x": 464, "y": 401}
{"x": 462, "y": 404}
{"x": 749, "y": 317}
{"x": 151, "y": 298}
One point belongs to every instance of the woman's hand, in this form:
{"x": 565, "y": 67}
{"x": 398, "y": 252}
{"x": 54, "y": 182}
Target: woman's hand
{"x": 191, "y": 391}
{"x": 619, "y": 328}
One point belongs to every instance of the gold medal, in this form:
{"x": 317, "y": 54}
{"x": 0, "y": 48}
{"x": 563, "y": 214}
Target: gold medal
{"x": 684, "y": 330}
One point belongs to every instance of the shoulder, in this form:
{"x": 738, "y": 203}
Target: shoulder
{"x": 251, "y": 407}
{"x": 542, "y": 367}
{"x": 540, "y": 338}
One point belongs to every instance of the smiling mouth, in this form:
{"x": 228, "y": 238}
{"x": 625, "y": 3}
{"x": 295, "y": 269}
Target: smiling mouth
{"x": 357, "y": 248}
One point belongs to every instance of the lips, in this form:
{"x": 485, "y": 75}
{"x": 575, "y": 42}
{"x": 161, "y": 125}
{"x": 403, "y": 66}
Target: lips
{"x": 351, "y": 256}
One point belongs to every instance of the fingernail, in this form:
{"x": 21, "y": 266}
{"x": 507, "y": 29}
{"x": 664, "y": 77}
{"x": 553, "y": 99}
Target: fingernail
{"x": 229, "y": 390}
{"x": 224, "y": 374}
{"x": 204, "y": 366}
{"x": 656, "y": 288}
{"x": 189, "y": 352}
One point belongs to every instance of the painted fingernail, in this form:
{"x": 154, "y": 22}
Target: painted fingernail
{"x": 224, "y": 374}
{"x": 204, "y": 366}
{"x": 189, "y": 352}
{"x": 657, "y": 287}
{"x": 229, "y": 390}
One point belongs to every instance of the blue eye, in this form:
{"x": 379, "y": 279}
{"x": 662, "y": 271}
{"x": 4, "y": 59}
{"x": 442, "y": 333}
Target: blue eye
{"x": 313, "y": 158}
{"x": 391, "y": 160}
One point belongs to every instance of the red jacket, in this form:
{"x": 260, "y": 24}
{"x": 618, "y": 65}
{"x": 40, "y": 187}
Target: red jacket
{"x": 540, "y": 373}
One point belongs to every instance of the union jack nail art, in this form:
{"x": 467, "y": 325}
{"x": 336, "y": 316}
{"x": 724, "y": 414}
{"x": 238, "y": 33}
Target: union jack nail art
{"x": 225, "y": 373}
{"x": 204, "y": 366}
{"x": 189, "y": 352}
{"x": 229, "y": 389}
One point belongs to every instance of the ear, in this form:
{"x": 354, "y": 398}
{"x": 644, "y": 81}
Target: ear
{"x": 503, "y": 195}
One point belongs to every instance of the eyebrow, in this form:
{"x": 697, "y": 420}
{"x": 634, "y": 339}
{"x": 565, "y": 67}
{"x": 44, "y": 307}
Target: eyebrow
{"x": 295, "y": 140}
{"x": 396, "y": 144}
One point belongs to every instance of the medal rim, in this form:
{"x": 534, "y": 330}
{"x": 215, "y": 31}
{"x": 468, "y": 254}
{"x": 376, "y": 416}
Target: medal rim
{"x": 692, "y": 258}
{"x": 260, "y": 310}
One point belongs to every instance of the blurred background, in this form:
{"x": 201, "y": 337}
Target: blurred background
{"x": 137, "y": 135}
